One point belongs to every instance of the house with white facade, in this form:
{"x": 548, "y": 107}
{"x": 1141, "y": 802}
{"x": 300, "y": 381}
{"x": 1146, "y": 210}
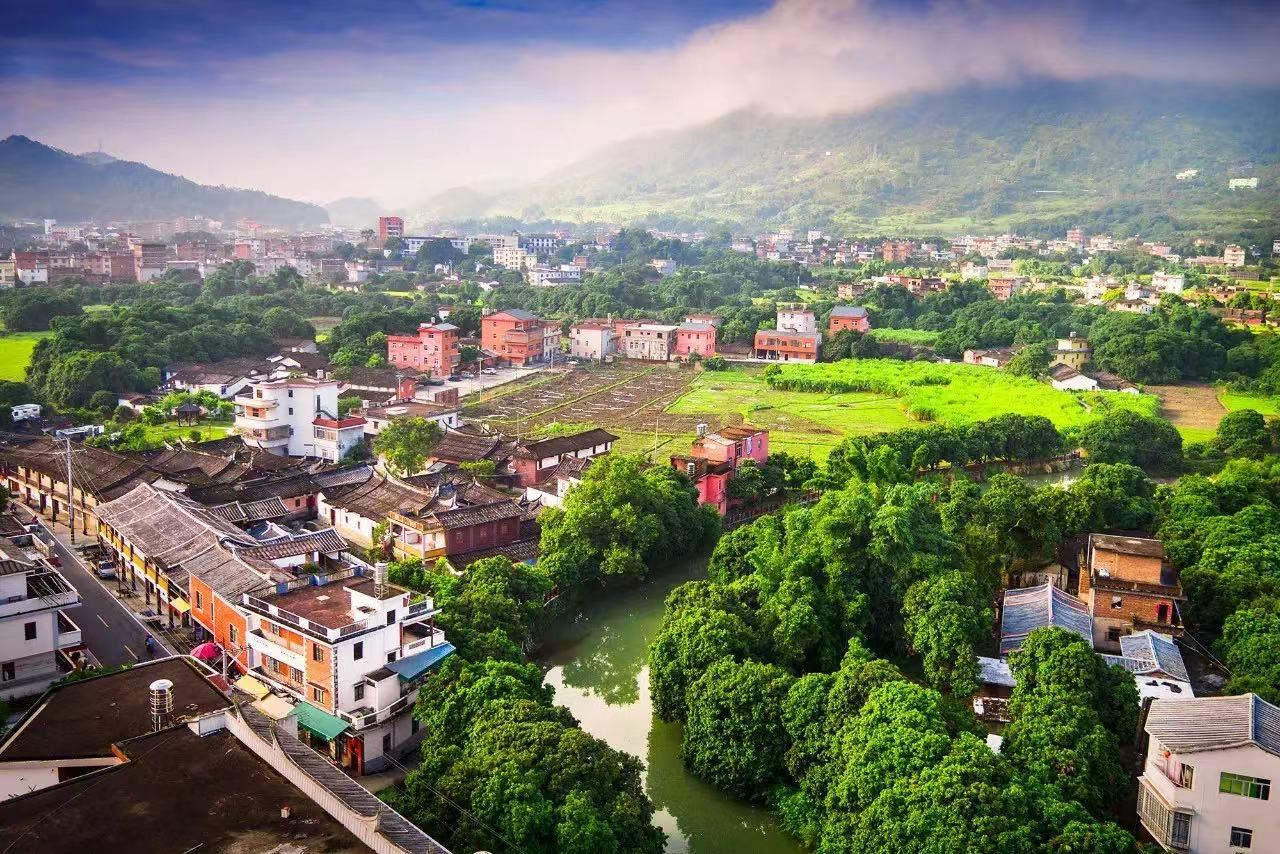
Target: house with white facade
{"x": 296, "y": 417}
{"x": 33, "y": 627}
{"x": 1206, "y": 780}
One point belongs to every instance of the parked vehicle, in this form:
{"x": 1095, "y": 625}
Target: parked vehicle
{"x": 489, "y": 371}
{"x": 105, "y": 570}
{"x": 455, "y": 378}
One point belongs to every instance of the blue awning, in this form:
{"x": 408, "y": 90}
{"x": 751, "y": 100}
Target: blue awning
{"x": 412, "y": 666}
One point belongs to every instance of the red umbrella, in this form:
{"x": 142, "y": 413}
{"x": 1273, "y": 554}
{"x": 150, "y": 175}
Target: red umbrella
{"x": 207, "y": 651}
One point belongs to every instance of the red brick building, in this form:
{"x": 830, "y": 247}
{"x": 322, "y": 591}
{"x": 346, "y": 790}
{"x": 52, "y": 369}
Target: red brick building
{"x": 850, "y": 317}
{"x": 779, "y": 345}
{"x": 389, "y": 226}
{"x": 515, "y": 336}
{"x": 433, "y": 350}
{"x": 1129, "y": 585}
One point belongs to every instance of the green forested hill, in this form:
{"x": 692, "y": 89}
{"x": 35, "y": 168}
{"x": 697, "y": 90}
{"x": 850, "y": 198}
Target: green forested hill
{"x": 37, "y": 181}
{"x": 1040, "y": 157}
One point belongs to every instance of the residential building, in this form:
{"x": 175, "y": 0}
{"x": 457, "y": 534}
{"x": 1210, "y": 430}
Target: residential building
{"x": 592, "y": 339}
{"x": 552, "y": 275}
{"x": 518, "y": 337}
{"x": 714, "y": 458}
{"x": 695, "y": 339}
{"x": 149, "y": 260}
{"x": 442, "y": 532}
{"x": 433, "y": 350}
{"x": 653, "y": 342}
{"x": 1029, "y": 608}
{"x": 352, "y": 650}
{"x": 533, "y": 462}
{"x": 1065, "y": 378}
{"x": 851, "y": 290}
{"x": 1129, "y": 585}
{"x": 969, "y": 271}
{"x": 1233, "y": 256}
{"x": 31, "y": 268}
{"x": 1072, "y": 351}
{"x": 378, "y": 418}
{"x": 1156, "y": 664}
{"x": 117, "y": 757}
{"x": 513, "y": 257}
{"x": 296, "y": 417}
{"x": 664, "y": 266}
{"x": 8, "y": 272}
{"x": 1207, "y": 773}
{"x": 780, "y": 346}
{"x": 796, "y": 317}
{"x": 714, "y": 319}
{"x": 35, "y": 633}
{"x": 994, "y": 358}
{"x": 1003, "y": 286}
{"x": 388, "y": 227}
{"x": 1242, "y": 183}
{"x": 853, "y": 318}
{"x": 897, "y": 251}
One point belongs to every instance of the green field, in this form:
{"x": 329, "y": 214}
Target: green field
{"x": 805, "y": 423}
{"x": 15, "y": 353}
{"x": 1233, "y": 400}
{"x": 209, "y": 430}
{"x": 919, "y": 337}
{"x": 811, "y": 423}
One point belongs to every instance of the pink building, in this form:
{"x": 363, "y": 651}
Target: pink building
{"x": 714, "y": 458}
{"x": 434, "y": 349}
{"x": 697, "y": 338}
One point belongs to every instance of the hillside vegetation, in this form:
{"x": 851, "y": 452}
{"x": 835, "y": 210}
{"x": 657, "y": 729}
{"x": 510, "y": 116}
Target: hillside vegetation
{"x": 37, "y": 181}
{"x": 1041, "y": 157}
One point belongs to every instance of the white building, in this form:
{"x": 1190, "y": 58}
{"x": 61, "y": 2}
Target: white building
{"x": 652, "y": 342}
{"x": 514, "y": 257}
{"x": 1233, "y": 256}
{"x": 1206, "y": 781}
{"x": 970, "y": 270}
{"x": 1065, "y": 378}
{"x": 296, "y": 417}
{"x": 1242, "y": 184}
{"x": 24, "y": 411}
{"x": 378, "y": 418}
{"x": 33, "y": 627}
{"x": 353, "y": 651}
{"x": 795, "y": 317}
{"x": 664, "y": 266}
{"x": 1168, "y": 283}
{"x": 592, "y": 339}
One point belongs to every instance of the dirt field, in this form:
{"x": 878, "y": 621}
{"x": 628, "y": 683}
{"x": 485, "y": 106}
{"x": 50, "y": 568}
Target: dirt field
{"x": 1193, "y": 408}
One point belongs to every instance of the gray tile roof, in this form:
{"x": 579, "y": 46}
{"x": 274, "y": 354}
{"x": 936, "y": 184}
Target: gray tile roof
{"x": 848, "y": 311}
{"x": 1158, "y": 652}
{"x": 1215, "y": 723}
{"x": 1030, "y": 608}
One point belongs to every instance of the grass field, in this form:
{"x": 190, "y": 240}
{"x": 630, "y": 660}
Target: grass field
{"x": 209, "y": 430}
{"x": 955, "y": 393}
{"x": 919, "y": 337}
{"x": 1233, "y": 400}
{"x": 15, "y": 353}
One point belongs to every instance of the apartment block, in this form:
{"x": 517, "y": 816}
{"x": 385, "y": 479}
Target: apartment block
{"x": 434, "y": 350}
{"x": 34, "y": 628}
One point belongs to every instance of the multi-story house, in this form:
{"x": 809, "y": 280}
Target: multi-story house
{"x": 796, "y": 317}
{"x": 517, "y": 337}
{"x": 8, "y": 272}
{"x": 1129, "y": 585}
{"x": 1168, "y": 283}
{"x": 434, "y": 350}
{"x": 695, "y": 338}
{"x": 533, "y": 462}
{"x": 31, "y": 268}
{"x": 296, "y": 417}
{"x": 897, "y": 251}
{"x": 777, "y": 345}
{"x": 1004, "y": 286}
{"x": 1207, "y": 774}
{"x": 34, "y": 629}
{"x": 652, "y": 342}
{"x": 1072, "y": 351}
{"x": 389, "y": 226}
{"x": 714, "y": 458}
{"x": 848, "y": 317}
{"x": 1233, "y": 256}
{"x": 148, "y": 260}
{"x": 592, "y": 339}
{"x": 353, "y": 651}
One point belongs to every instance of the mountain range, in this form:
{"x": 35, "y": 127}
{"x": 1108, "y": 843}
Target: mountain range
{"x": 1038, "y": 157}
{"x": 38, "y": 181}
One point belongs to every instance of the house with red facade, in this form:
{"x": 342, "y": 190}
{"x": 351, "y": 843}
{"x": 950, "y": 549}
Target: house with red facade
{"x": 848, "y": 317}
{"x": 1129, "y": 585}
{"x": 778, "y": 345}
{"x": 695, "y": 338}
{"x": 533, "y": 462}
{"x": 715, "y": 457}
{"x": 517, "y": 337}
{"x": 433, "y": 350}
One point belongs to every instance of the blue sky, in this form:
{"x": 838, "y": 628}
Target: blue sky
{"x": 323, "y": 99}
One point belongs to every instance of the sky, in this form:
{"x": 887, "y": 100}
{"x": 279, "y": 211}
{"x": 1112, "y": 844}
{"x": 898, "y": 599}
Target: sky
{"x": 324, "y": 99}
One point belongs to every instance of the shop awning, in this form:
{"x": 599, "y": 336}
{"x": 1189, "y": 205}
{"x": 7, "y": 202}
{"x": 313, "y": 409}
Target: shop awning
{"x": 276, "y": 708}
{"x": 412, "y": 666}
{"x": 252, "y": 687}
{"x": 319, "y": 721}
{"x": 179, "y": 605}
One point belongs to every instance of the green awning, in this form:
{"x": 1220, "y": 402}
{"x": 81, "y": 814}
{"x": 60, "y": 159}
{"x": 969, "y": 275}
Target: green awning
{"x": 319, "y": 721}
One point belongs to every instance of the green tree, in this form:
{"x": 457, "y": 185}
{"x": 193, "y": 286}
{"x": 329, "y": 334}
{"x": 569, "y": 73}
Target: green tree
{"x": 946, "y": 618}
{"x": 1127, "y": 437}
{"x": 406, "y": 443}
{"x": 1244, "y": 433}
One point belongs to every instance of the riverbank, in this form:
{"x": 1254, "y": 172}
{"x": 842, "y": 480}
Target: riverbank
{"x": 597, "y": 662}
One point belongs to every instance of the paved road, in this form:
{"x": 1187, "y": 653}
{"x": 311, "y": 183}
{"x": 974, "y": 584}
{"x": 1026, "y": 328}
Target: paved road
{"x": 110, "y": 631}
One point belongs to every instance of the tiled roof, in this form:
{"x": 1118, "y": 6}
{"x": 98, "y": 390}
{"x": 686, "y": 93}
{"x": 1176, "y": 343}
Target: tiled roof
{"x": 462, "y": 447}
{"x": 466, "y": 516}
{"x": 1158, "y": 652}
{"x": 1215, "y": 723}
{"x": 1031, "y": 608}
{"x": 1063, "y": 372}
{"x": 99, "y": 471}
{"x": 325, "y": 542}
{"x": 848, "y": 311}
{"x": 1141, "y": 546}
{"x": 995, "y": 671}
{"x": 517, "y": 552}
{"x": 379, "y": 496}
{"x": 558, "y": 445}
{"x": 516, "y": 313}
{"x": 253, "y": 511}
{"x": 167, "y": 527}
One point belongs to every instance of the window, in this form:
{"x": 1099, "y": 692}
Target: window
{"x": 233, "y": 636}
{"x": 386, "y": 743}
{"x": 7, "y": 672}
{"x": 413, "y": 728}
{"x": 1180, "y": 830}
{"x": 296, "y": 674}
{"x": 29, "y": 631}
{"x": 317, "y": 694}
{"x": 359, "y": 690}
{"x": 1114, "y": 634}
{"x": 317, "y": 652}
{"x": 1246, "y": 787}
{"x": 1241, "y": 837}
{"x": 1117, "y": 602}
{"x": 391, "y": 656}
{"x": 391, "y": 617}
{"x": 291, "y": 394}
{"x": 290, "y": 410}
{"x": 199, "y": 600}
{"x": 1186, "y": 776}
{"x": 357, "y": 651}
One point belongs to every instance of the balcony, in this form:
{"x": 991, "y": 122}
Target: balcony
{"x": 361, "y": 720}
{"x": 68, "y": 632}
{"x": 255, "y": 402}
{"x": 1170, "y": 826}
{"x": 419, "y": 611}
{"x": 265, "y": 433}
{"x": 278, "y": 649}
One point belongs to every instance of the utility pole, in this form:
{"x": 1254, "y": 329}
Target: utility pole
{"x": 71, "y": 494}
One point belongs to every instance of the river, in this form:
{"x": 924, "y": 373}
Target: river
{"x": 597, "y": 662}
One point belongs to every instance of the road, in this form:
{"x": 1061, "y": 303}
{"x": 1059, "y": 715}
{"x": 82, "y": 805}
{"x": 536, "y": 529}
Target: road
{"x": 110, "y": 631}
